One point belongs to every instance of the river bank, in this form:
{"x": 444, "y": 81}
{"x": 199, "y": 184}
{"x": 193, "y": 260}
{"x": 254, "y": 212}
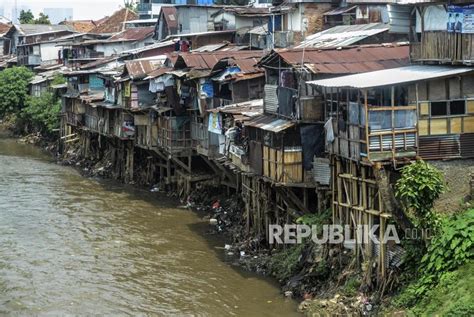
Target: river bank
{"x": 322, "y": 278}
{"x": 75, "y": 245}
{"x": 224, "y": 215}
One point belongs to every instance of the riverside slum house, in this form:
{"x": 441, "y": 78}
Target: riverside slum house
{"x": 99, "y": 110}
{"x": 35, "y": 44}
{"x": 379, "y": 121}
{"x": 286, "y": 171}
{"x": 151, "y": 107}
{"x": 87, "y": 48}
{"x": 176, "y": 128}
{"x": 5, "y": 45}
{"x": 281, "y": 25}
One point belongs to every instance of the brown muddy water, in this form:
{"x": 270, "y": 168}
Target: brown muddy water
{"x": 76, "y": 246}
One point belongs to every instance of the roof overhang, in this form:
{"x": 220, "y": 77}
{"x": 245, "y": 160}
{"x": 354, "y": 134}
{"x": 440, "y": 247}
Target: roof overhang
{"x": 389, "y": 77}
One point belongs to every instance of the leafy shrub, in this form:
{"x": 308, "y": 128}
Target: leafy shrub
{"x": 450, "y": 249}
{"x": 286, "y": 263}
{"x": 42, "y": 112}
{"x": 13, "y": 89}
{"x": 418, "y": 188}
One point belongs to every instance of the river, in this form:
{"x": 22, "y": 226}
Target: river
{"x": 76, "y": 246}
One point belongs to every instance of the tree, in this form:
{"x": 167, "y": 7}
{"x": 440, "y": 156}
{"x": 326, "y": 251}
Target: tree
{"x": 42, "y": 19}
{"x": 42, "y": 113}
{"x": 14, "y": 89}
{"x": 131, "y": 5}
{"x": 418, "y": 188}
{"x": 26, "y": 17}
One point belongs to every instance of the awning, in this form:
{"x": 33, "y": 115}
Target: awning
{"x": 105, "y": 104}
{"x": 59, "y": 86}
{"x": 392, "y": 76}
{"x": 269, "y": 123}
{"x": 339, "y": 11}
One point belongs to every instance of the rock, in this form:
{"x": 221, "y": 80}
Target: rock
{"x": 213, "y": 221}
{"x": 227, "y": 247}
{"x": 289, "y": 294}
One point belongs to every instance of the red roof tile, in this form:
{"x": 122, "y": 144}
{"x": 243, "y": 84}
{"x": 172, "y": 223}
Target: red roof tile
{"x": 115, "y": 23}
{"x": 4, "y": 28}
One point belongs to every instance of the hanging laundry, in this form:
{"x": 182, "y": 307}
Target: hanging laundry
{"x": 329, "y": 131}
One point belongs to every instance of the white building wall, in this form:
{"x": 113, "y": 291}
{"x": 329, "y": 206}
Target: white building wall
{"x": 49, "y": 51}
{"x": 110, "y": 49}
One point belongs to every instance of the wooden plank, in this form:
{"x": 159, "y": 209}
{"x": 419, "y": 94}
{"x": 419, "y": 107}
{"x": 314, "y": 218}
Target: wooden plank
{"x": 439, "y": 126}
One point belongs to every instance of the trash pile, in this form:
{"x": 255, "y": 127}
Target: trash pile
{"x": 90, "y": 167}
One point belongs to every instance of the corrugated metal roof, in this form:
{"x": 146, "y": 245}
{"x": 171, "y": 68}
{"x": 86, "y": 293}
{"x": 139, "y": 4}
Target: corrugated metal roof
{"x": 343, "y": 35}
{"x": 4, "y": 28}
{"x": 201, "y": 33}
{"x": 207, "y": 60}
{"x": 339, "y": 11}
{"x": 259, "y": 30}
{"x": 269, "y": 123}
{"x": 348, "y": 60}
{"x": 138, "y": 69}
{"x": 250, "y": 108}
{"x": 158, "y": 72}
{"x": 247, "y": 65}
{"x": 33, "y": 29}
{"x": 209, "y": 48}
{"x": 392, "y": 76}
{"x": 148, "y": 48}
{"x": 133, "y": 34}
{"x": 171, "y": 16}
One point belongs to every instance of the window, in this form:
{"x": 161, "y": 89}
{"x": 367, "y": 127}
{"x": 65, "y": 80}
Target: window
{"x": 457, "y": 107}
{"x": 439, "y": 108}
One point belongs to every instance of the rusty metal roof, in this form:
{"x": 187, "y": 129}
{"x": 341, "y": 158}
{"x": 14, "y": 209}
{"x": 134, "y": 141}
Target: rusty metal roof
{"x": 348, "y": 60}
{"x": 247, "y": 65}
{"x": 207, "y": 60}
{"x": 343, "y": 35}
{"x": 138, "y": 69}
{"x": 133, "y": 34}
{"x": 269, "y": 123}
{"x": 171, "y": 16}
{"x": 4, "y": 28}
{"x": 158, "y": 72}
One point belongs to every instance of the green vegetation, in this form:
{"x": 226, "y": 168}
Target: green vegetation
{"x": 34, "y": 114}
{"x": 27, "y": 17}
{"x": 287, "y": 263}
{"x": 315, "y": 219}
{"x": 42, "y": 113}
{"x": 131, "y": 5}
{"x": 418, "y": 188}
{"x": 14, "y": 89}
{"x": 445, "y": 279}
{"x": 352, "y": 285}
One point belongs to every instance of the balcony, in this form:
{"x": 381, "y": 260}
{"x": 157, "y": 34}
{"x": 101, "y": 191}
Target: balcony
{"x": 29, "y": 60}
